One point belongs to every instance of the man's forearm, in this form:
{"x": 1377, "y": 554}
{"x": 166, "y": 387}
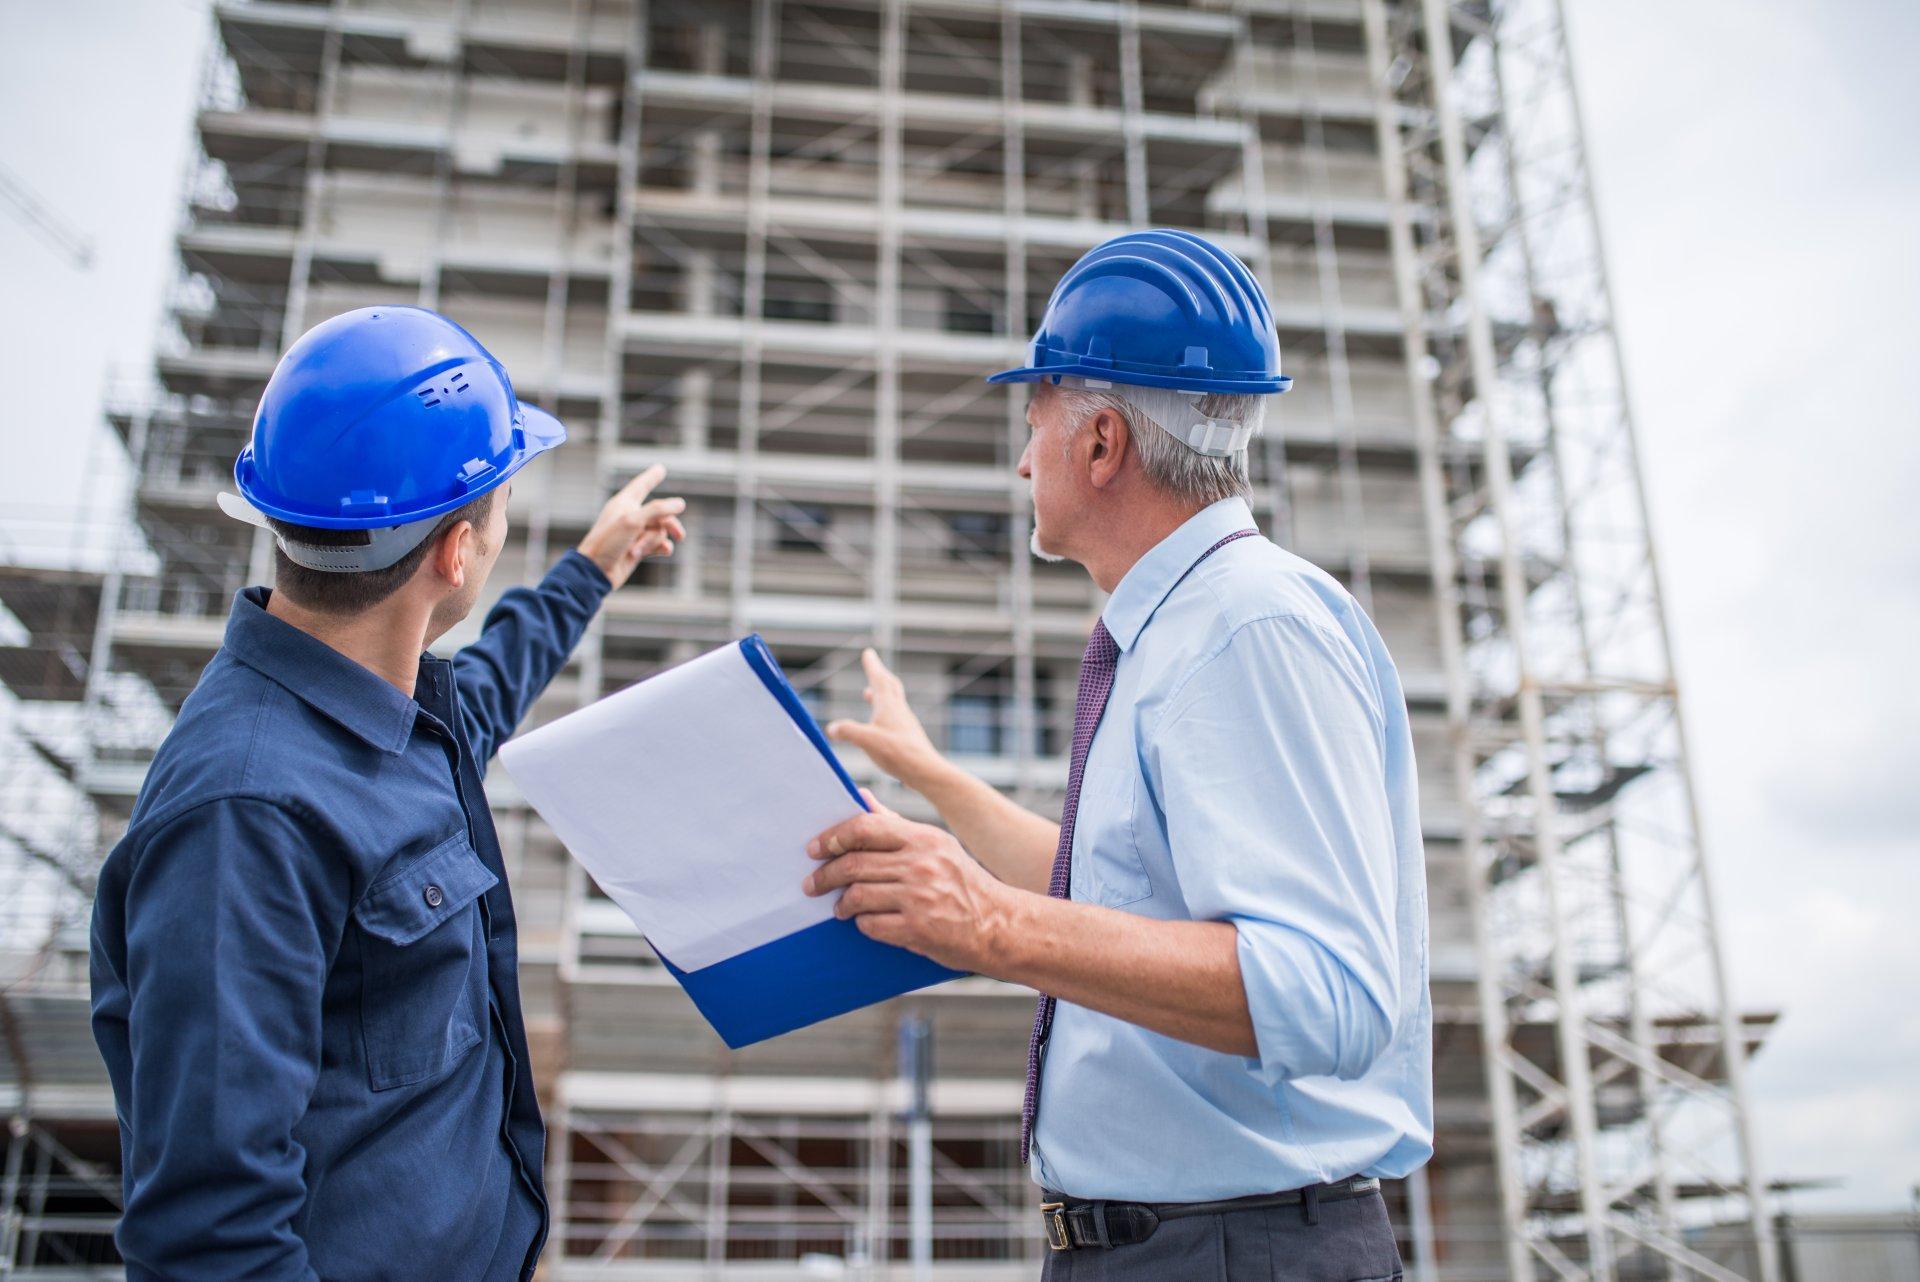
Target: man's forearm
{"x": 1014, "y": 844}
{"x": 522, "y": 645}
{"x": 1178, "y": 978}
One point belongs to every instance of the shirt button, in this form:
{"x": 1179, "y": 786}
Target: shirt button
{"x": 433, "y": 896}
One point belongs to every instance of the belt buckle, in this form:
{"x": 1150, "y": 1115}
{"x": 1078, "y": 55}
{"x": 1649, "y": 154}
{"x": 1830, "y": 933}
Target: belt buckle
{"x": 1054, "y": 1216}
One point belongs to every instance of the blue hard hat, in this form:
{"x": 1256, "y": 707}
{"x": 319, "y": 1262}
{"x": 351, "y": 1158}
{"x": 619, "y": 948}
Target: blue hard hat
{"x": 383, "y": 417}
{"x": 1158, "y": 308}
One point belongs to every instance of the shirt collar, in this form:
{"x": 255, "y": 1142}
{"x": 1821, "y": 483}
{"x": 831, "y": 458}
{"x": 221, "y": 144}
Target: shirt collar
{"x": 328, "y": 681}
{"x": 1146, "y": 585}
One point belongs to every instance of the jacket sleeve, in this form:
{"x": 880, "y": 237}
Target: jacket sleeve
{"x": 525, "y": 641}
{"x": 1269, "y": 765}
{"x": 233, "y": 918}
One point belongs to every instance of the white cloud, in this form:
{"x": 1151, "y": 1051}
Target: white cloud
{"x": 95, "y": 113}
{"x": 1760, "y": 198}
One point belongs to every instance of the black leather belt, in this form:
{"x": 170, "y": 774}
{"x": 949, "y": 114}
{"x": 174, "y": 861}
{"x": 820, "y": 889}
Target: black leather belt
{"x": 1072, "y": 1225}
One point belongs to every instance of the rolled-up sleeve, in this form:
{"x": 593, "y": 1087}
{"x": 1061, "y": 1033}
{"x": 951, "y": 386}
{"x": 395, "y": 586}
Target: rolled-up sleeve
{"x": 232, "y": 917}
{"x": 1268, "y": 762}
{"x": 524, "y": 643}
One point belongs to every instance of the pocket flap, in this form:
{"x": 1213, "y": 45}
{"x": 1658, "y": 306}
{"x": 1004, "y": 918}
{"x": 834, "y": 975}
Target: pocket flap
{"x": 1107, "y": 781}
{"x": 406, "y": 905}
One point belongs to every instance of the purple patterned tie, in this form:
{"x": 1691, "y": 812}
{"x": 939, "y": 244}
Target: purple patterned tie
{"x": 1096, "y": 682}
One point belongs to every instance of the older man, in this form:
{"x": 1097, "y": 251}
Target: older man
{"x": 1229, "y": 924}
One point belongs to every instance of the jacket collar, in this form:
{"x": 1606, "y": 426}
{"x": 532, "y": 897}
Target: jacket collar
{"x": 319, "y": 675}
{"x": 1140, "y": 592}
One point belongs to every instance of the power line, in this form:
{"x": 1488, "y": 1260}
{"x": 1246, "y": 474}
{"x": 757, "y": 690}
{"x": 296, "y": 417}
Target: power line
{"x": 62, "y": 235}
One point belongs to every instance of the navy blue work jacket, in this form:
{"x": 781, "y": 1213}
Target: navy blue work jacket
{"x": 305, "y": 965}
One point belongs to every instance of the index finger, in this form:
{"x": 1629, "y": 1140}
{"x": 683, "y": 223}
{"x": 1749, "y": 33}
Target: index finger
{"x": 862, "y": 832}
{"x": 878, "y": 674}
{"x": 864, "y": 866}
{"x": 642, "y": 485}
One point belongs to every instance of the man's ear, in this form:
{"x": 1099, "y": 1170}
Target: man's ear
{"x": 1108, "y": 442}
{"x": 453, "y": 553}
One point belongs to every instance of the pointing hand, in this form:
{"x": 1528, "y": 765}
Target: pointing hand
{"x": 632, "y": 527}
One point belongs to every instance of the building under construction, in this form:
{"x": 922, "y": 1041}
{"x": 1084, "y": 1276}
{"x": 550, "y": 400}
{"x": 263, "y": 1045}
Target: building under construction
{"x": 774, "y": 245}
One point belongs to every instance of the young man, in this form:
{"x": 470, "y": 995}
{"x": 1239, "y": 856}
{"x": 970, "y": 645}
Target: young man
{"x": 305, "y": 977}
{"x": 1230, "y": 923}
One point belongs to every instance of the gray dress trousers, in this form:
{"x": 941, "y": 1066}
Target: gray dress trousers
{"x": 1351, "y": 1242}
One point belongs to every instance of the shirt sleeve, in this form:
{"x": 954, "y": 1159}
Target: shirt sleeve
{"x": 232, "y": 921}
{"x": 525, "y": 641}
{"x": 1269, "y": 764}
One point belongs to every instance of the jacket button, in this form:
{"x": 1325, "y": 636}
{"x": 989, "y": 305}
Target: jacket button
{"x": 433, "y": 896}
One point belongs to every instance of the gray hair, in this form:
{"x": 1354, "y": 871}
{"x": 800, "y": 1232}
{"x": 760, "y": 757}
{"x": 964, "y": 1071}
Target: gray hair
{"x": 1168, "y": 462}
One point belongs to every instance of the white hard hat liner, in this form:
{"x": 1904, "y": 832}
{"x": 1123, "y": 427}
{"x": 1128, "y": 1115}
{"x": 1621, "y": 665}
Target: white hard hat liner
{"x": 1177, "y": 413}
{"x": 384, "y": 547}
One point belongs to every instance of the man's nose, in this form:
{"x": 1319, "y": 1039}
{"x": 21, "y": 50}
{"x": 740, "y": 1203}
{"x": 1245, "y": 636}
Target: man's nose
{"x": 1025, "y": 469}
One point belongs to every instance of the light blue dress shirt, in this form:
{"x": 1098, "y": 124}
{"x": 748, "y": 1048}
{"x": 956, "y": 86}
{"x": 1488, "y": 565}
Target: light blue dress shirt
{"x": 1254, "y": 766}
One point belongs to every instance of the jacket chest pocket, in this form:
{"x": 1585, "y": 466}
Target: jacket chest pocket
{"x": 1108, "y": 869}
{"x": 423, "y": 988}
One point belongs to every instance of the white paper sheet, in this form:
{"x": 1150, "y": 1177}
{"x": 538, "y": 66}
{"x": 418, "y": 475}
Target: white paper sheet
{"x": 690, "y": 797}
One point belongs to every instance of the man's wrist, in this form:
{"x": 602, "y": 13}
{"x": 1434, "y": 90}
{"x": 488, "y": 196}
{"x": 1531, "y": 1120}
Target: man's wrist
{"x": 939, "y": 781}
{"x": 603, "y": 565}
{"x": 1007, "y": 932}
{"x": 602, "y": 570}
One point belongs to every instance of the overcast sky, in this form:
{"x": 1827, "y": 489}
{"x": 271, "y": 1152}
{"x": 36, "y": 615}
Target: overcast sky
{"x": 1761, "y": 200}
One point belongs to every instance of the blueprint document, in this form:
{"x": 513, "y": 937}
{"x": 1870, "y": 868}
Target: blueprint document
{"x": 690, "y": 797}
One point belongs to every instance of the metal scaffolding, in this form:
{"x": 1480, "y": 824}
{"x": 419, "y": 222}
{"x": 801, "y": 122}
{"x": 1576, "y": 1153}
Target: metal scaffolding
{"x": 1589, "y": 888}
{"x": 774, "y": 244}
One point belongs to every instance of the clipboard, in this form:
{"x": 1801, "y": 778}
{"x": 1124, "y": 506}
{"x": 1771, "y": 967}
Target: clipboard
{"x": 803, "y": 973}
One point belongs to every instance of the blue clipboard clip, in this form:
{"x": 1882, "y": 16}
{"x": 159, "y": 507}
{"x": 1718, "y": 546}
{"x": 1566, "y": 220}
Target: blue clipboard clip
{"x": 827, "y": 969}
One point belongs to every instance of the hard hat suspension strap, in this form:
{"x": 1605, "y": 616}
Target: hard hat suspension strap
{"x": 383, "y": 548}
{"x": 1177, "y": 413}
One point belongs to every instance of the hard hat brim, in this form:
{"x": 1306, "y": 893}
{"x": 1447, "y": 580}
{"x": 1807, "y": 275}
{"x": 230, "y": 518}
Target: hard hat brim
{"x": 543, "y": 430}
{"x": 1180, "y": 383}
